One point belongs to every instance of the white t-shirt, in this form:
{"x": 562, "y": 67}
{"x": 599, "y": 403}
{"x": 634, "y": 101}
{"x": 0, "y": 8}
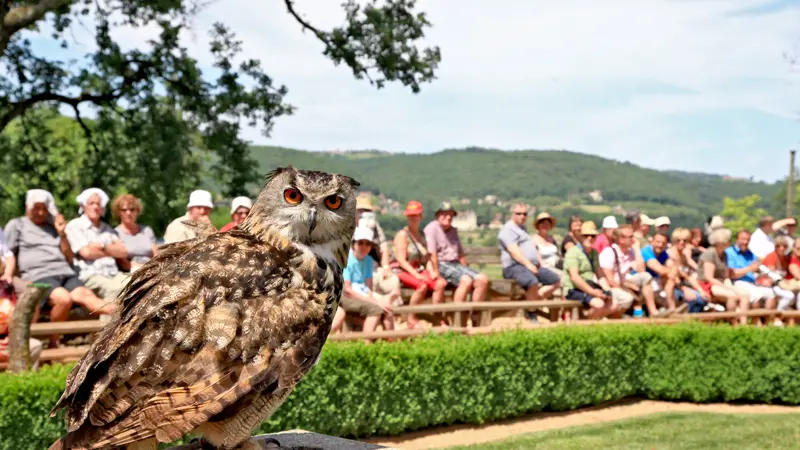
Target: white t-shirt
{"x": 761, "y": 244}
{"x": 608, "y": 260}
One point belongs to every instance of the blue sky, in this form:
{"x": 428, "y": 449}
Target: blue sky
{"x": 699, "y": 85}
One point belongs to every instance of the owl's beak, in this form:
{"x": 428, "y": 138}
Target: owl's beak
{"x": 312, "y": 220}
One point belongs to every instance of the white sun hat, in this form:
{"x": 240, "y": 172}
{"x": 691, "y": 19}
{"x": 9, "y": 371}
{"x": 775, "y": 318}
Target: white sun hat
{"x": 200, "y": 198}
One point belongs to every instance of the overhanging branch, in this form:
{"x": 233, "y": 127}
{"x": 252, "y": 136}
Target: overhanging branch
{"x": 306, "y": 26}
{"x": 23, "y": 16}
{"x": 16, "y": 109}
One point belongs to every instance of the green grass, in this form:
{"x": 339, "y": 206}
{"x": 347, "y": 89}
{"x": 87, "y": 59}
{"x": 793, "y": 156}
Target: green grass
{"x": 666, "y": 431}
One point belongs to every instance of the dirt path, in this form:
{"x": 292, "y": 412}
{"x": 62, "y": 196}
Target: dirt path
{"x": 473, "y": 434}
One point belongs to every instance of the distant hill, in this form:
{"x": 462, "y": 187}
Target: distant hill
{"x": 475, "y": 173}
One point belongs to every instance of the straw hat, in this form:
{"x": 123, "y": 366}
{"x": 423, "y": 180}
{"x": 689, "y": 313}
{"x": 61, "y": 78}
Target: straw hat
{"x": 364, "y": 202}
{"x": 589, "y": 229}
{"x": 544, "y": 216}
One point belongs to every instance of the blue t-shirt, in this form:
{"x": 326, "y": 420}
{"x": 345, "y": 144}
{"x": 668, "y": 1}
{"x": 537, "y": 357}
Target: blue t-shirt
{"x": 648, "y": 254}
{"x": 358, "y": 272}
{"x": 738, "y": 259}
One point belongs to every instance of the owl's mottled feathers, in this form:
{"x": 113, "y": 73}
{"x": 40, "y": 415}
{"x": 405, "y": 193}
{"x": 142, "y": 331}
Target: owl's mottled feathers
{"x": 213, "y": 333}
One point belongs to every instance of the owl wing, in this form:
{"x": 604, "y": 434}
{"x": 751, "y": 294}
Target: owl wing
{"x": 202, "y": 325}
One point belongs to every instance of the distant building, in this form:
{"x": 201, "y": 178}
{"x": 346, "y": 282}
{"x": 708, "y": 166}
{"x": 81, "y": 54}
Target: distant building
{"x": 466, "y": 221}
{"x": 490, "y": 199}
{"x": 596, "y": 196}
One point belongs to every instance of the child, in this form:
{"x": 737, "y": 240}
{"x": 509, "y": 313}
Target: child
{"x": 358, "y": 297}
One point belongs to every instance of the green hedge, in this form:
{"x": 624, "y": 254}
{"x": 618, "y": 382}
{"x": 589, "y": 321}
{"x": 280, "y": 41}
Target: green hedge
{"x": 389, "y": 388}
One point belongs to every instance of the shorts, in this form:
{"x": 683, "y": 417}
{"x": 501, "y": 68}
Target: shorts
{"x": 358, "y": 307}
{"x": 107, "y": 288}
{"x": 410, "y": 281}
{"x": 525, "y": 278}
{"x": 68, "y": 282}
{"x": 756, "y": 293}
{"x": 453, "y": 271}
{"x": 583, "y": 297}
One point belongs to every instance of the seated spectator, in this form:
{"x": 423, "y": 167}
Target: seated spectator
{"x": 642, "y": 234}
{"x": 744, "y": 266}
{"x": 783, "y": 268}
{"x": 140, "y": 241}
{"x": 411, "y": 257}
{"x": 520, "y": 258}
{"x": 197, "y": 210}
{"x": 634, "y": 219}
{"x": 579, "y": 279}
{"x": 607, "y": 237}
{"x": 662, "y": 224}
{"x": 665, "y": 276}
{"x": 786, "y": 228}
{"x": 448, "y": 259}
{"x": 546, "y": 244}
{"x": 714, "y": 276}
{"x": 358, "y": 297}
{"x": 240, "y": 208}
{"x": 761, "y": 242}
{"x": 7, "y": 304}
{"x": 384, "y": 281}
{"x": 96, "y": 247}
{"x": 696, "y": 245}
{"x": 41, "y": 253}
{"x": 714, "y": 223}
{"x": 623, "y": 268}
{"x": 573, "y": 236}
{"x": 680, "y": 255}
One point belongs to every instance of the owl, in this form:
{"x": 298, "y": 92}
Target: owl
{"x": 212, "y": 334}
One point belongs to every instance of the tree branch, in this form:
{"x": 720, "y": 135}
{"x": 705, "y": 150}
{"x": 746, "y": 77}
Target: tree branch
{"x": 306, "y": 26}
{"x": 16, "y": 109}
{"x": 24, "y": 16}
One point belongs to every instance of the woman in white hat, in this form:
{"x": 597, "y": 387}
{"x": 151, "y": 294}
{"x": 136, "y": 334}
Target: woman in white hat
{"x": 240, "y": 208}
{"x": 197, "y": 210}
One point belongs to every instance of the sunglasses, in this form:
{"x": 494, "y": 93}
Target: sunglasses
{"x": 128, "y": 210}
{"x": 520, "y": 214}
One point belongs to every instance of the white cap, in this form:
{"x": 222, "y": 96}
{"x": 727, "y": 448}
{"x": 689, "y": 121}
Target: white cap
{"x": 363, "y": 234}
{"x": 660, "y": 221}
{"x": 238, "y": 202}
{"x": 610, "y": 222}
{"x": 646, "y": 220}
{"x": 200, "y": 198}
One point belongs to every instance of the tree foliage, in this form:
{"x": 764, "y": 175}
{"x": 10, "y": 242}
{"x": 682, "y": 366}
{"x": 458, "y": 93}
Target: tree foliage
{"x": 156, "y": 113}
{"x": 743, "y": 213}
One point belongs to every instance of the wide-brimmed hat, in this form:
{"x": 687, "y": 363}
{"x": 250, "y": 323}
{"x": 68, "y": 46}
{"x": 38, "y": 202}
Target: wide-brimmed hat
{"x": 446, "y": 207}
{"x": 661, "y": 221}
{"x": 589, "y": 229}
{"x": 413, "y": 208}
{"x": 364, "y": 202}
{"x": 610, "y": 222}
{"x": 544, "y": 216}
{"x": 200, "y": 198}
{"x": 239, "y": 202}
{"x": 363, "y": 233}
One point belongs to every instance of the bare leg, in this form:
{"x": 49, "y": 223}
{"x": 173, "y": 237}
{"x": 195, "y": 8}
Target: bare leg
{"x": 338, "y": 320}
{"x": 60, "y": 304}
{"x": 86, "y": 298}
{"x": 416, "y": 298}
{"x": 460, "y": 295}
{"x": 649, "y": 299}
{"x": 438, "y": 297}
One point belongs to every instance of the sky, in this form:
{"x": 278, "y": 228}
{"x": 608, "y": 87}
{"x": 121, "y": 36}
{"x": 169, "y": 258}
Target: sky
{"x": 696, "y": 85}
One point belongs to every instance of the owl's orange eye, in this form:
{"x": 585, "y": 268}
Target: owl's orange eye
{"x": 333, "y": 202}
{"x": 292, "y": 196}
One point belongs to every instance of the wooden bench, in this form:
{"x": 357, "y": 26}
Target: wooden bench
{"x": 500, "y": 290}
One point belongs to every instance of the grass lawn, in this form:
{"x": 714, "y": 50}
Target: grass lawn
{"x": 666, "y": 431}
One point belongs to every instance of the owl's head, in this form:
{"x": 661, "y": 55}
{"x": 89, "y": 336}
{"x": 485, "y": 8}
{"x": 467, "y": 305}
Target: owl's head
{"x": 306, "y": 206}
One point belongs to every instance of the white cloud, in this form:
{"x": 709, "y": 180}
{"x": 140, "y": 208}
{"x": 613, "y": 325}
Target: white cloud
{"x": 579, "y": 74}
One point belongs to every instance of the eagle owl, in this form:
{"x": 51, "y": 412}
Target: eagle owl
{"x": 213, "y": 333}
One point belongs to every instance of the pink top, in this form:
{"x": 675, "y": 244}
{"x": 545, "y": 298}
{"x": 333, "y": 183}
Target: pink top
{"x": 601, "y": 243}
{"x": 445, "y": 244}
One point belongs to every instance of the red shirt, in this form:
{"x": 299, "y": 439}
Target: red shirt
{"x": 601, "y": 243}
{"x": 227, "y": 227}
{"x": 771, "y": 261}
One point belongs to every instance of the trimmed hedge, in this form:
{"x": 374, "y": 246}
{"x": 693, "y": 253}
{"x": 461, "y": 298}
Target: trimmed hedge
{"x": 387, "y": 388}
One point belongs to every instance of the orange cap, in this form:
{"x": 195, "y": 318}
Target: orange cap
{"x": 413, "y": 208}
